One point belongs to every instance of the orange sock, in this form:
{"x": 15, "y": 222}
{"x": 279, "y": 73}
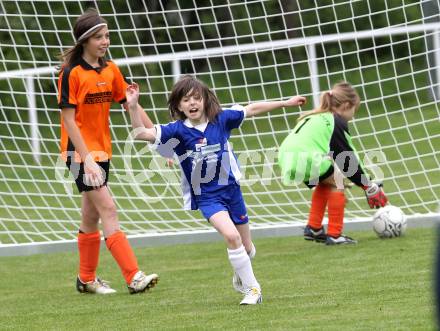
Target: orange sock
{"x": 121, "y": 250}
{"x": 319, "y": 202}
{"x": 336, "y": 206}
{"x": 88, "y": 247}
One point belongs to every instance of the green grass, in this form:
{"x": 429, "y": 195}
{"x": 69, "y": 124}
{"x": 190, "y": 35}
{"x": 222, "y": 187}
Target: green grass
{"x": 376, "y": 285}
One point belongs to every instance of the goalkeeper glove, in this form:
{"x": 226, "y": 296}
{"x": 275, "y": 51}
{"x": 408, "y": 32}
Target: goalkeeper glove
{"x": 375, "y": 196}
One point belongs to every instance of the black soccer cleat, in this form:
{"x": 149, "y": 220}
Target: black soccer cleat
{"x": 315, "y": 235}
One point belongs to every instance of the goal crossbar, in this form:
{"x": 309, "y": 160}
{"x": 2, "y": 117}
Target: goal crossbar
{"x": 175, "y": 58}
{"x": 236, "y": 49}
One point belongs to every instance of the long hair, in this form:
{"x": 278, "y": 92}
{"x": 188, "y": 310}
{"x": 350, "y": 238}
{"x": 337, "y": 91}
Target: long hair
{"x": 84, "y": 23}
{"x": 341, "y": 93}
{"x": 189, "y": 84}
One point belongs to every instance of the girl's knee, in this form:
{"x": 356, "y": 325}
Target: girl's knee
{"x": 233, "y": 239}
{"x": 90, "y": 217}
{"x": 108, "y": 210}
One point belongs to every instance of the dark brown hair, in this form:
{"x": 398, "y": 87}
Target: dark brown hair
{"x": 341, "y": 93}
{"x": 86, "y": 21}
{"x": 188, "y": 85}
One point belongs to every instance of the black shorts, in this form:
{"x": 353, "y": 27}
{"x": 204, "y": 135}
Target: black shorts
{"x": 77, "y": 171}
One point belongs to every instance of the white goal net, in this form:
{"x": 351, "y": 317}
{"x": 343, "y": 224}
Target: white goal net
{"x": 246, "y": 51}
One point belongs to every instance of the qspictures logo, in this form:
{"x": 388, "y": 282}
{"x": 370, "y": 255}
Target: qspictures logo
{"x": 101, "y": 97}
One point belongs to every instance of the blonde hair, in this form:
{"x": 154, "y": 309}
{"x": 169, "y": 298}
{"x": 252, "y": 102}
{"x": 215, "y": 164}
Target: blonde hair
{"x": 340, "y": 93}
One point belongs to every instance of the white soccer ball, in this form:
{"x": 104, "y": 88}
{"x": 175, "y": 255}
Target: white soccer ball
{"x": 389, "y": 222}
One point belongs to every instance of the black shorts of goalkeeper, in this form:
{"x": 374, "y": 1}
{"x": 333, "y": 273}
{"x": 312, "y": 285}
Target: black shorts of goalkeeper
{"x": 81, "y": 181}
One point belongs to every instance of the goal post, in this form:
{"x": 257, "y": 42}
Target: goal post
{"x": 245, "y": 51}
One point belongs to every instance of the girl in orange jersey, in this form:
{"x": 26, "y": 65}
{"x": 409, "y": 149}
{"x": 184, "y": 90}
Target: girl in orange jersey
{"x": 87, "y": 85}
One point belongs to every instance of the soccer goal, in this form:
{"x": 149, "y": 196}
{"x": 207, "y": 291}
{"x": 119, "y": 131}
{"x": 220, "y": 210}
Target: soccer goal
{"x": 246, "y": 51}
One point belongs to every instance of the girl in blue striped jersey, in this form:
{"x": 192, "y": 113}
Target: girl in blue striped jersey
{"x": 210, "y": 172}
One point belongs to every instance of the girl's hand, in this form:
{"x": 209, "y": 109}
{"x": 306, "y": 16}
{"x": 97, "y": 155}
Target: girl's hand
{"x": 94, "y": 175}
{"x": 132, "y": 95}
{"x": 296, "y": 101}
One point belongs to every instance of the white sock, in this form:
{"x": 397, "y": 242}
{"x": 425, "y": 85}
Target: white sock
{"x": 253, "y": 252}
{"x": 241, "y": 263}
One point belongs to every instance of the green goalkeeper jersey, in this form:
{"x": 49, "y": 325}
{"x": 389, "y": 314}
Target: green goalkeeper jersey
{"x": 318, "y": 141}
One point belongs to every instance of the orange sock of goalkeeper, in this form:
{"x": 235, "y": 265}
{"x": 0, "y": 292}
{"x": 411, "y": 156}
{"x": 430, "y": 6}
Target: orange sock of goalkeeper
{"x": 88, "y": 247}
{"x": 336, "y": 206}
{"x": 320, "y": 197}
{"x": 120, "y": 248}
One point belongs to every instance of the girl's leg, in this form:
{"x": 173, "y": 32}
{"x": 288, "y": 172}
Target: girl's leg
{"x": 106, "y": 208}
{"x": 116, "y": 240}
{"x": 246, "y": 239}
{"x": 89, "y": 241}
{"x": 336, "y": 208}
{"x": 224, "y": 225}
{"x": 245, "y": 235}
{"x": 237, "y": 254}
{"x": 89, "y": 215}
{"x": 336, "y": 204}
{"x": 320, "y": 198}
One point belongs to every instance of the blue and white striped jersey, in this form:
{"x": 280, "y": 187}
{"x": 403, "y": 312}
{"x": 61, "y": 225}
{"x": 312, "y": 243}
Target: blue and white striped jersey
{"x": 205, "y": 155}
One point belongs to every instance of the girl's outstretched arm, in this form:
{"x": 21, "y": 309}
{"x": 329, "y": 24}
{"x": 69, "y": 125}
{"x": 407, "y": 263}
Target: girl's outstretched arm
{"x": 140, "y": 132}
{"x": 258, "y": 108}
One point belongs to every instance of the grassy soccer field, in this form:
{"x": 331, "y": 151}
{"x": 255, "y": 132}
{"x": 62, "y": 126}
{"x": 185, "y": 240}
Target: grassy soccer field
{"x": 376, "y": 285}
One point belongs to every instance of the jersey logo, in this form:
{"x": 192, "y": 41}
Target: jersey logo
{"x": 101, "y": 83}
{"x": 101, "y": 97}
{"x": 204, "y": 153}
{"x": 210, "y": 149}
{"x": 200, "y": 143}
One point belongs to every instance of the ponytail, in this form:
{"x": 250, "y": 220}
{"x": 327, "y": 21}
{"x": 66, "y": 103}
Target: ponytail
{"x": 341, "y": 93}
{"x": 324, "y": 106}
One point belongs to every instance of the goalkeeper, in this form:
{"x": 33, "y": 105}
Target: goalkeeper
{"x": 87, "y": 85}
{"x": 319, "y": 152}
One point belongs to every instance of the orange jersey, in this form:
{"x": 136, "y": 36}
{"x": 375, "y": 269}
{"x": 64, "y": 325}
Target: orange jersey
{"x": 90, "y": 92}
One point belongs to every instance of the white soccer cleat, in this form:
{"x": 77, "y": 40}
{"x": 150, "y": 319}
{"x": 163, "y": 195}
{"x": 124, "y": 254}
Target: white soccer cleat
{"x": 252, "y": 297}
{"x": 341, "y": 240}
{"x": 97, "y": 286}
{"x": 142, "y": 282}
{"x": 237, "y": 284}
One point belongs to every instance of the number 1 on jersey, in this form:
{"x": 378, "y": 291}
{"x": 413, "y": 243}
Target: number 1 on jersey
{"x": 301, "y": 126}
